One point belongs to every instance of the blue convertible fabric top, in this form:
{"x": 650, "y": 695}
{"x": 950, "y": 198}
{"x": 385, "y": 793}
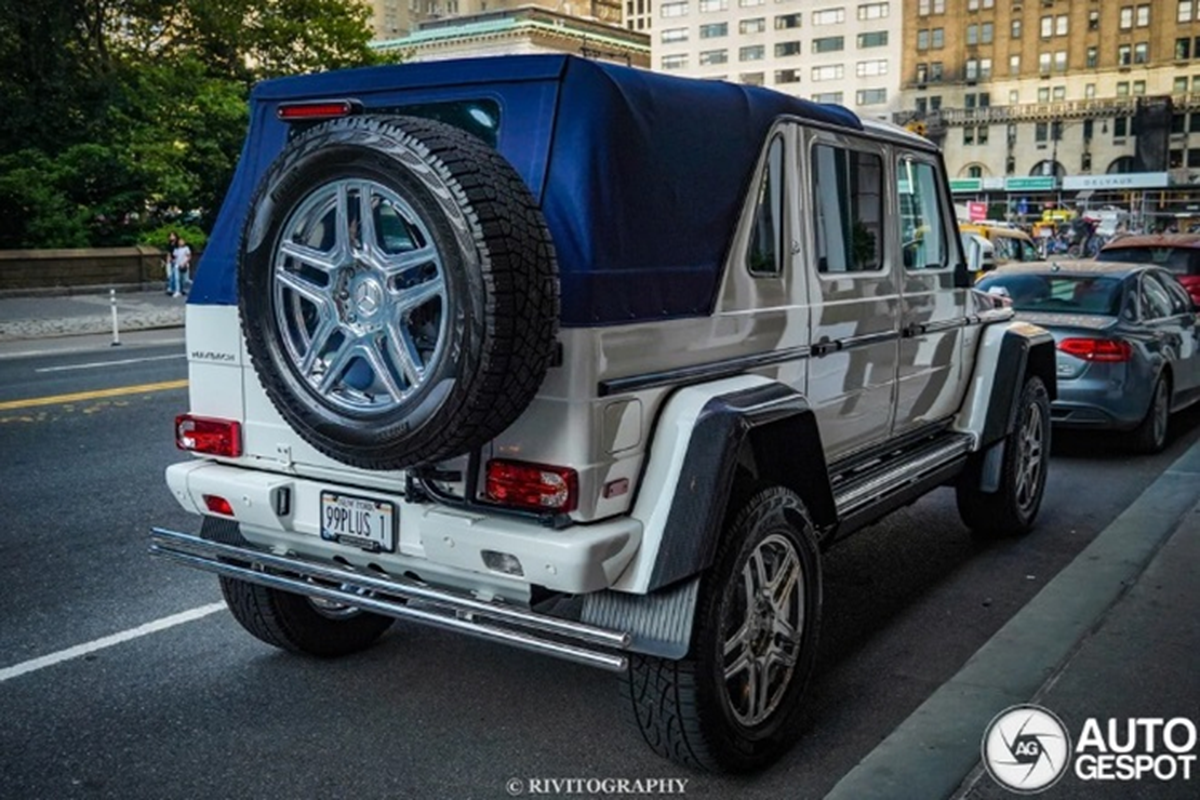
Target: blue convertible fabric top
{"x": 641, "y": 176}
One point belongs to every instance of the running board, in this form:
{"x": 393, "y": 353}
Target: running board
{"x": 400, "y": 598}
{"x": 873, "y": 485}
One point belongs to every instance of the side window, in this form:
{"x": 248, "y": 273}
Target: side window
{"x": 1156, "y": 300}
{"x": 764, "y": 256}
{"x": 922, "y": 234}
{"x": 848, "y": 209}
{"x": 1180, "y": 301}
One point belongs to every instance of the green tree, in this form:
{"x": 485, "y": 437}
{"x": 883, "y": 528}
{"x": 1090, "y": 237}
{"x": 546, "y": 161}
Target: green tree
{"x": 122, "y": 114}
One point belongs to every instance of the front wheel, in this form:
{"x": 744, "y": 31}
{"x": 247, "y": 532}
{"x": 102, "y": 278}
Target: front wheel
{"x": 1012, "y": 508}
{"x": 301, "y": 624}
{"x": 732, "y": 703}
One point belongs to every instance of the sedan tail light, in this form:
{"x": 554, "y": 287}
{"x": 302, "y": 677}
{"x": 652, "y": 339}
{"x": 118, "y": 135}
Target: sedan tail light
{"x": 209, "y": 435}
{"x": 1108, "y": 351}
{"x": 538, "y": 487}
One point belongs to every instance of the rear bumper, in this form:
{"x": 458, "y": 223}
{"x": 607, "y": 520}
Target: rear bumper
{"x": 437, "y": 544}
{"x": 400, "y": 598}
{"x": 1101, "y": 399}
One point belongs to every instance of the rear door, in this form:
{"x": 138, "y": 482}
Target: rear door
{"x": 932, "y": 312}
{"x": 1168, "y": 311}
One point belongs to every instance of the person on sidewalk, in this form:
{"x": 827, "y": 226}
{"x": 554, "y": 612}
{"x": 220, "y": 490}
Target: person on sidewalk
{"x": 169, "y": 264}
{"x": 182, "y": 258}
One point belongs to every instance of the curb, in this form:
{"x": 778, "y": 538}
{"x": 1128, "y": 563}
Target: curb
{"x": 931, "y": 753}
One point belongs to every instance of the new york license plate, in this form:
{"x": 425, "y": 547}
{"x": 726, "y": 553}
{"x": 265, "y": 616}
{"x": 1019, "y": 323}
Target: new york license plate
{"x": 358, "y": 521}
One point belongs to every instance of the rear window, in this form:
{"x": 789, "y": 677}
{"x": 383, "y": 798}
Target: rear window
{"x": 1058, "y": 294}
{"x": 1179, "y": 260}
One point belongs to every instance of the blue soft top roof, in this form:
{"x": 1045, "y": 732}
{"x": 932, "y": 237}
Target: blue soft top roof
{"x": 641, "y": 176}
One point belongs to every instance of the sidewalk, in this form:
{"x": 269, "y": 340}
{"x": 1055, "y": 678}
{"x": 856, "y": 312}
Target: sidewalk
{"x": 72, "y": 315}
{"x": 1113, "y": 636}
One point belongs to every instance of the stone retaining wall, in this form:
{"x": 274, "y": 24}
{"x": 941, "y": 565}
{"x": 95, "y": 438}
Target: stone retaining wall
{"x": 81, "y": 270}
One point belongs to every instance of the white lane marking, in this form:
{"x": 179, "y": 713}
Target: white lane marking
{"x": 80, "y": 650}
{"x": 94, "y": 364}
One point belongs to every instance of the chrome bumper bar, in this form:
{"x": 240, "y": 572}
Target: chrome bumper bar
{"x": 400, "y": 598}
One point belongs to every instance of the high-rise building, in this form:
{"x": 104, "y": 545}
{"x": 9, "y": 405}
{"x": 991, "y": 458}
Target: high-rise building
{"x": 391, "y": 19}
{"x": 1051, "y": 96}
{"x": 836, "y": 52}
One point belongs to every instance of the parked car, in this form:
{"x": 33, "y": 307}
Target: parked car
{"x": 591, "y": 361}
{"x": 1128, "y": 340}
{"x": 1177, "y": 252}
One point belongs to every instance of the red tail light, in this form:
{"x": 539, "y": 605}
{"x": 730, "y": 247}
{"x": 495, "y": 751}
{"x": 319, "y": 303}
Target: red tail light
{"x": 316, "y": 111}
{"x": 538, "y": 487}
{"x": 1100, "y": 350}
{"x": 214, "y": 437}
{"x": 218, "y": 505}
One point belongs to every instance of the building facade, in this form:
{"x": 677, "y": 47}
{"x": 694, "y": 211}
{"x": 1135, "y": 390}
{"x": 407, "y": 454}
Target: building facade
{"x": 394, "y": 19}
{"x": 1065, "y": 91}
{"x": 847, "y": 53}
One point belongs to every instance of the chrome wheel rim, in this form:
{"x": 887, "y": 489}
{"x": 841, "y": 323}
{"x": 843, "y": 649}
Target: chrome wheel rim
{"x": 1030, "y": 442}
{"x": 1161, "y": 412}
{"x": 360, "y": 299}
{"x": 766, "y": 614}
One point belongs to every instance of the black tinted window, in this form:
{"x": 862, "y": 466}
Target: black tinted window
{"x": 1058, "y": 294}
{"x": 1179, "y": 260}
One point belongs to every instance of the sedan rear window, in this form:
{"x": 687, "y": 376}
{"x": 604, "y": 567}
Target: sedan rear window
{"x": 1179, "y": 260}
{"x": 1058, "y": 294}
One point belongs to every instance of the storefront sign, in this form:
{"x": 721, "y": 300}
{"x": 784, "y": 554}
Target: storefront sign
{"x": 1125, "y": 180}
{"x": 1039, "y": 184}
{"x": 965, "y": 184}
{"x": 977, "y": 211}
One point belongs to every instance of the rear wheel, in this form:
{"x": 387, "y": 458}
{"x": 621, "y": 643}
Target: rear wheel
{"x": 301, "y": 624}
{"x": 1012, "y": 508}
{"x": 732, "y": 703}
{"x": 1151, "y": 435}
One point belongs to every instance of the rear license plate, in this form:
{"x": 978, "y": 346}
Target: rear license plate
{"x": 358, "y": 521}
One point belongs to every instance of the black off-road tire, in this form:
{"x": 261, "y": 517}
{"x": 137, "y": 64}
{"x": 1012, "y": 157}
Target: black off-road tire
{"x": 1012, "y": 509}
{"x": 495, "y": 321}
{"x": 293, "y": 623}
{"x": 684, "y": 708}
{"x": 1150, "y": 436}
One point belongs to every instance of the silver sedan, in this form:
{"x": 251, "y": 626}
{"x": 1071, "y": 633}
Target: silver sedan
{"x": 1128, "y": 340}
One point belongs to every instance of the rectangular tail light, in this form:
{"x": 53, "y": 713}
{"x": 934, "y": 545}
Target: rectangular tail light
{"x": 1105, "y": 351}
{"x": 537, "y": 487}
{"x": 208, "y": 435}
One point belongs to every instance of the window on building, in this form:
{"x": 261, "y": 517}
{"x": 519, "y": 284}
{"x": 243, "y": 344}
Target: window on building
{"x": 1011, "y": 132}
{"x": 829, "y": 97}
{"x": 972, "y": 70}
{"x": 985, "y": 69}
{"x": 1139, "y": 88}
{"x": 870, "y": 97}
{"x": 787, "y": 75}
{"x": 939, "y": 6}
{"x": 1143, "y": 16}
{"x": 969, "y": 100}
{"x": 828, "y": 72}
{"x": 1180, "y": 85}
{"x": 1060, "y": 61}
{"x": 710, "y": 57}
{"x": 675, "y": 61}
{"x": 1123, "y": 89}
{"x": 1089, "y": 127}
{"x": 981, "y": 135}
{"x": 714, "y": 30}
{"x": 872, "y": 69}
{"x": 1085, "y": 162}
{"x": 757, "y": 25}
{"x": 1014, "y": 96}
{"x": 1126, "y": 18}
{"x": 935, "y": 102}
{"x": 829, "y": 44}
{"x": 1059, "y": 93}
{"x": 972, "y": 34}
{"x": 969, "y": 135}
{"x": 1014, "y": 65}
{"x": 1089, "y": 91}
{"x": 972, "y": 5}
{"x": 1047, "y": 27}
{"x": 752, "y": 78}
{"x": 872, "y": 39}
{"x": 987, "y": 32}
{"x": 1120, "y": 127}
{"x": 829, "y": 16}
{"x": 923, "y": 7}
{"x": 1093, "y": 57}
{"x": 847, "y": 204}
{"x": 785, "y": 21}
{"x": 1041, "y": 132}
{"x": 876, "y": 10}
{"x": 1044, "y": 61}
{"x": 1141, "y": 53}
{"x": 1193, "y": 158}
{"x": 785, "y": 49}
{"x": 923, "y": 39}
{"x": 709, "y": 6}
{"x": 1194, "y": 122}
{"x": 672, "y": 35}
{"x": 922, "y": 74}
{"x": 1093, "y": 20}
{"x": 1178, "y": 123}
{"x": 935, "y": 72}
{"x": 1043, "y": 94}
{"x": 1183, "y": 11}
{"x": 1183, "y": 49}
{"x": 1016, "y": 29}
{"x": 1124, "y": 55}
{"x": 753, "y": 52}
{"x": 673, "y": 9}
{"x": 922, "y": 105}
{"x": 937, "y": 38}
{"x": 1061, "y": 25}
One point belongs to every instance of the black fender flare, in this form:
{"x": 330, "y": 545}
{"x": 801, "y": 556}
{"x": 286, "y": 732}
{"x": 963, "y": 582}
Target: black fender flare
{"x": 1025, "y": 350}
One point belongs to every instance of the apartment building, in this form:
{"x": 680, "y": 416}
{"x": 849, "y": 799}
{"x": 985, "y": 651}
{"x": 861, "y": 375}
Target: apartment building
{"x": 834, "y": 52}
{"x": 1051, "y": 96}
{"x": 393, "y": 19}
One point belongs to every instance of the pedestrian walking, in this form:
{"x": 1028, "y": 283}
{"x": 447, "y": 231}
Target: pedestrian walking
{"x": 169, "y": 264}
{"x": 182, "y": 257}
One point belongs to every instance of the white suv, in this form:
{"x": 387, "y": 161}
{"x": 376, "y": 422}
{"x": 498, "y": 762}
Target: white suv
{"x": 589, "y": 361}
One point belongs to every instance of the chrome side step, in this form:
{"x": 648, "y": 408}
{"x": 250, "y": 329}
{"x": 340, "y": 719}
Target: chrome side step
{"x": 400, "y": 598}
{"x": 873, "y": 485}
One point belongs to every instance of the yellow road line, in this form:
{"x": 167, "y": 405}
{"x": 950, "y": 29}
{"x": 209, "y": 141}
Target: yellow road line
{"x": 60, "y": 399}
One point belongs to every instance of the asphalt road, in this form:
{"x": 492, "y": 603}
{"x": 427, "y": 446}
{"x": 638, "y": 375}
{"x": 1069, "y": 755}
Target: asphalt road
{"x": 202, "y": 710}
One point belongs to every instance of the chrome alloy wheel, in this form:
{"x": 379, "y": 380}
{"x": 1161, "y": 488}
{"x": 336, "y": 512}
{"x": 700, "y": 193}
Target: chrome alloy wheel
{"x": 1031, "y": 455}
{"x": 767, "y": 615}
{"x": 360, "y": 298}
